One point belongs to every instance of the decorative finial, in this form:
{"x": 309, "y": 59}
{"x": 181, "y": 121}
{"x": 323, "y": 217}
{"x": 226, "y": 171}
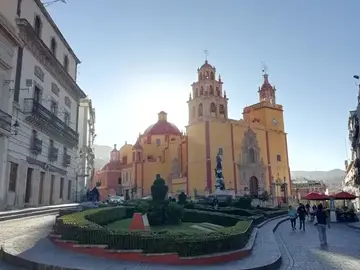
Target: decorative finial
{"x": 190, "y": 96}
{"x": 114, "y": 146}
{"x": 206, "y": 53}
{"x": 125, "y": 142}
{"x": 219, "y": 78}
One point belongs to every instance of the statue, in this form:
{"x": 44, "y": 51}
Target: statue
{"x": 220, "y": 184}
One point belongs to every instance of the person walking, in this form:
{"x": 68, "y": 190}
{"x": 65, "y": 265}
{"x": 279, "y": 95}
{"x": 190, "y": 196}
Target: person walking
{"x": 321, "y": 223}
{"x": 301, "y": 211}
{"x": 292, "y": 216}
{"x": 307, "y": 207}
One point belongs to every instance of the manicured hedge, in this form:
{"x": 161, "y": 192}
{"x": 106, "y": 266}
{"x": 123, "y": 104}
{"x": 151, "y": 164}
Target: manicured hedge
{"x": 249, "y": 213}
{"x": 84, "y": 227}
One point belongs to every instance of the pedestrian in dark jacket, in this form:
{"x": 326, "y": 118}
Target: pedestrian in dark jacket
{"x": 302, "y": 214}
{"x": 321, "y": 223}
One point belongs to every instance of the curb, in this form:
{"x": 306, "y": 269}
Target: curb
{"x": 353, "y": 226}
{"x": 34, "y": 212}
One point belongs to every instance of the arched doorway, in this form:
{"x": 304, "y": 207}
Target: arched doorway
{"x": 254, "y": 187}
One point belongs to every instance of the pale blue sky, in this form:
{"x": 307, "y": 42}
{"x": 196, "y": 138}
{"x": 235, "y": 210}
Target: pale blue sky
{"x": 140, "y": 57}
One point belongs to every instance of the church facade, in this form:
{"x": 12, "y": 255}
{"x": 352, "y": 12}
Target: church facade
{"x": 254, "y": 149}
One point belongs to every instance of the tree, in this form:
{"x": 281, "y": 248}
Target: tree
{"x": 159, "y": 189}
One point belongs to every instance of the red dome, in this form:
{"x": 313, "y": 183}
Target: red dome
{"x": 112, "y": 165}
{"x": 162, "y": 128}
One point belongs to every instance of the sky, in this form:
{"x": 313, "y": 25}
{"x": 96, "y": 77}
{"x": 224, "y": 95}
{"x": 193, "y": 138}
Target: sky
{"x": 140, "y": 57}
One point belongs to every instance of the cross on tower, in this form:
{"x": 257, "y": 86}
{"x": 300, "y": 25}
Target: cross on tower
{"x": 264, "y": 68}
{"x": 206, "y": 53}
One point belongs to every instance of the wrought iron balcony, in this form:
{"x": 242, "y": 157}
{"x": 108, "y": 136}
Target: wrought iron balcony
{"x": 66, "y": 160}
{"x": 36, "y": 146}
{"x": 5, "y": 122}
{"x": 53, "y": 153}
{"x": 49, "y": 123}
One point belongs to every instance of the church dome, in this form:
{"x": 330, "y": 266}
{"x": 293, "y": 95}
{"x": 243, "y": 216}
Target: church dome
{"x": 206, "y": 65}
{"x": 162, "y": 127}
{"x": 112, "y": 165}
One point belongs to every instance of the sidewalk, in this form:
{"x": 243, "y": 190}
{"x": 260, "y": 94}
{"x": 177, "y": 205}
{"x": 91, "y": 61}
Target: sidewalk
{"x": 265, "y": 252}
{"x": 24, "y": 210}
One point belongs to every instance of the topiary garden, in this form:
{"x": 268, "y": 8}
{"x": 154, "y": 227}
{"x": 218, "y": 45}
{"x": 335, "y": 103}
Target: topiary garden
{"x": 183, "y": 227}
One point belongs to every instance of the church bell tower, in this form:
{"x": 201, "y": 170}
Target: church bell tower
{"x": 207, "y": 101}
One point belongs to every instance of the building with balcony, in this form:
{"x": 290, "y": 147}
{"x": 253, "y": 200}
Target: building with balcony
{"x": 8, "y": 54}
{"x": 303, "y": 186}
{"x": 86, "y": 156}
{"x": 41, "y": 160}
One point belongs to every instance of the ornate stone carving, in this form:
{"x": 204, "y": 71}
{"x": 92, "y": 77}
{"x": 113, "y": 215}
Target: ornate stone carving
{"x": 55, "y": 89}
{"x": 67, "y": 102}
{"x": 250, "y": 163}
{"x": 38, "y": 72}
{"x": 175, "y": 168}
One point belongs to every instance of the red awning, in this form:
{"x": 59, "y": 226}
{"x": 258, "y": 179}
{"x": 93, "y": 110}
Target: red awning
{"x": 316, "y": 197}
{"x": 343, "y": 196}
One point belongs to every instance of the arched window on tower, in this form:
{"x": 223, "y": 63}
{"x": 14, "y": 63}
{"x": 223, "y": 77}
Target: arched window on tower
{"x": 222, "y": 109}
{"x": 37, "y": 26}
{"x": 194, "y": 112}
{"x": 196, "y": 92}
{"x": 212, "y": 76}
{"x": 201, "y": 91}
{"x": 200, "y": 76}
{"x": 200, "y": 110}
{"x": 211, "y": 90}
{"x": 252, "y": 156}
{"x": 217, "y": 91}
{"x": 213, "y": 109}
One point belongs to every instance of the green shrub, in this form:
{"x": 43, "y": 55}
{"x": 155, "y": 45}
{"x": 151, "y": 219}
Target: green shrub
{"x": 243, "y": 202}
{"x": 156, "y": 215}
{"x": 78, "y": 227}
{"x": 159, "y": 189}
{"x": 182, "y": 198}
{"x": 142, "y": 207}
{"x": 174, "y": 213}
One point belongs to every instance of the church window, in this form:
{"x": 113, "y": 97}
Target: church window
{"x": 150, "y": 158}
{"x": 206, "y": 93}
{"x": 119, "y": 181}
{"x": 200, "y": 112}
{"x": 124, "y": 160}
{"x": 217, "y": 91}
{"x": 138, "y": 156}
{"x": 200, "y": 76}
{"x": 196, "y": 92}
{"x": 278, "y": 158}
{"x": 213, "y": 108}
{"x": 252, "y": 157}
{"x": 211, "y": 90}
{"x": 212, "y": 75}
{"x": 158, "y": 142}
{"x": 201, "y": 91}
{"x": 194, "y": 112}
{"x": 148, "y": 139}
{"x": 221, "y": 109}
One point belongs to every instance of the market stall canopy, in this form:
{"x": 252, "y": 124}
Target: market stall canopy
{"x": 312, "y": 196}
{"x": 343, "y": 196}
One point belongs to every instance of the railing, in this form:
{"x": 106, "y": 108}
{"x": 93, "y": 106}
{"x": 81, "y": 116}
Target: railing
{"x": 5, "y": 121}
{"x": 36, "y": 146}
{"x": 66, "y": 160}
{"x": 50, "y": 122}
{"x": 53, "y": 153}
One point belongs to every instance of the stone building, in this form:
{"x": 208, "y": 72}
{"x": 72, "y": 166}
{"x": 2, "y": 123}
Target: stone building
{"x": 41, "y": 156}
{"x": 254, "y": 149}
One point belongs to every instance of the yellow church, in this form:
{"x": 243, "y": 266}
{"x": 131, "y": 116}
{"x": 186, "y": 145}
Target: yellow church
{"x": 254, "y": 149}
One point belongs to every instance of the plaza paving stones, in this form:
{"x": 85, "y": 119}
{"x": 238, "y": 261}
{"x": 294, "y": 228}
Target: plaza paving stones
{"x": 301, "y": 250}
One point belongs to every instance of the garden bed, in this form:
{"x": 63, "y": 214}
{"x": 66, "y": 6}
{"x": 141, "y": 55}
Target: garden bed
{"x": 87, "y": 227}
